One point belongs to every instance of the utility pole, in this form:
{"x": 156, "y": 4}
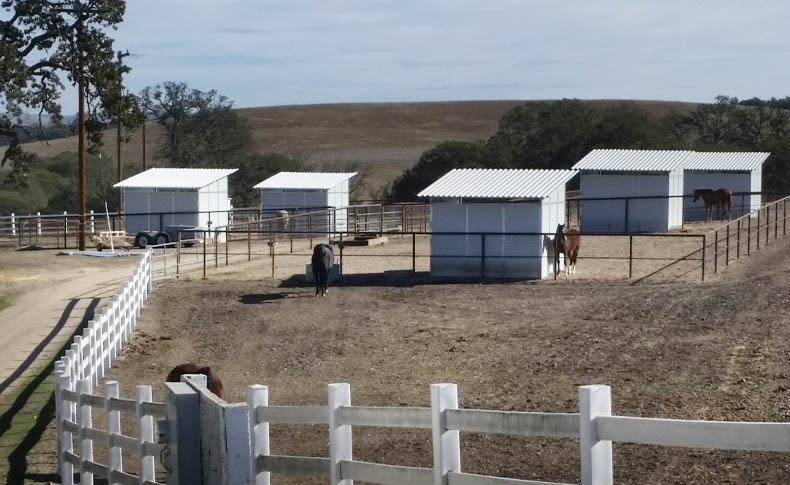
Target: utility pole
{"x": 146, "y": 119}
{"x": 121, "y": 55}
{"x": 81, "y": 121}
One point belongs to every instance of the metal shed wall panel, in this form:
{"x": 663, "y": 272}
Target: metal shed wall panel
{"x": 336, "y": 196}
{"x": 644, "y": 215}
{"x": 736, "y": 182}
{"x": 147, "y": 201}
{"x": 505, "y": 256}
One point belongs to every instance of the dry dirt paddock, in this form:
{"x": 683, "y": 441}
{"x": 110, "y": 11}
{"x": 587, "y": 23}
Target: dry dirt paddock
{"x": 717, "y": 350}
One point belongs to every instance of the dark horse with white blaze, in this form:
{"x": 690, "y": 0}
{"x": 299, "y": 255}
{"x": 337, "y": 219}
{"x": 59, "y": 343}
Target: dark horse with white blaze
{"x": 322, "y": 261}
{"x": 567, "y": 242}
{"x": 721, "y": 199}
{"x": 213, "y": 383}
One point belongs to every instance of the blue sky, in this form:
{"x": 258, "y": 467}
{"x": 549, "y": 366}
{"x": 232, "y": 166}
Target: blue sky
{"x": 277, "y": 52}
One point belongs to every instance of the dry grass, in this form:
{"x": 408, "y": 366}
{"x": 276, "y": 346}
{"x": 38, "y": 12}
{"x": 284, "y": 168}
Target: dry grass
{"x": 389, "y": 137}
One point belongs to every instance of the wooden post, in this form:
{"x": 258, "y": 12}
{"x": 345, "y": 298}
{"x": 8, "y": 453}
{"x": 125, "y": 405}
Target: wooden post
{"x": 704, "y": 244}
{"x": 630, "y": 255}
{"x": 784, "y": 217}
{"x": 259, "y": 432}
{"x": 249, "y": 243}
{"x": 227, "y": 242}
{"x": 340, "y": 448}
{"x": 446, "y": 443}
{"x": 178, "y": 253}
{"x": 271, "y": 252}
{"x": 145, "y": 434}
{"x": 182, "y": 412}
{"x": 596, "y": 455}
{"x": 216, "y": 248}
{"x": 114, "y": 452}
{"x": 86, "y": 443}
{"x": 413, "y": 253}
{"x": 776, "y": 221}
{"x": 381, "y": 219}
{"x": 727, "y": 248}
{"x": 716, "y": 251}
{"x": 204, "y": 255}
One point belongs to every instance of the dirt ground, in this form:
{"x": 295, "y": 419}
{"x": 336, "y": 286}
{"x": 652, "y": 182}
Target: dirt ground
{"x": 715, "y": 350}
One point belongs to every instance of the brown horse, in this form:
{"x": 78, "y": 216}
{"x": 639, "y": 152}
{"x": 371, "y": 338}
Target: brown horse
{"x": 213, "y": 383}
{"x": 720, "y": 199}
{"x": 568, "y": 243}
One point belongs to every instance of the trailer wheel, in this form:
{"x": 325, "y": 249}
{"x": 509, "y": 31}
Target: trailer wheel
{"x": 143, "y": 240}
{"x": 162, "y": 238}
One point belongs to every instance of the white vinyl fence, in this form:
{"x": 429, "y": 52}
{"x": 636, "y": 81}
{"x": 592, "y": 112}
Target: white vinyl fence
{"x": 78, "y": 372}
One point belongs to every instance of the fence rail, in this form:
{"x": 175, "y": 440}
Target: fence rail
{"x": 78, "y": 372}
{"x": 593, "y": 426}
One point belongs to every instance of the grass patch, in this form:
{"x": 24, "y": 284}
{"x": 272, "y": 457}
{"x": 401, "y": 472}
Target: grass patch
{"x": 5, "y": 302}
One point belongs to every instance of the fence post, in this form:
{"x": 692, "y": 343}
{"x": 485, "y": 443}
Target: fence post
{"x": 145, "y": 434}
{"x": 758, "y": 227}
{"x": 381, "y": 219}
{"x": 182, "y": 412}
{"x": 204, "y": 255}
{"x": 86, "y": 443}
{"x": 716, "y": 251}
{"x": 93, "y": 223}
{"x": 704, "y": 244}
{"x": 216, "y": 248}
{"x": 784, "y": 217}
{"x": 249, "y": 242}
{"x": 340, "y": 448}
{"x": 483, "y": 255}
{"x": 413, "y": 252}
{"x": 65, "y": 439}
{"x": 596, "y": 454}
{"x": 272, "y": 251}
{"x": 60, "y": 369}
{"x": 227, "y": 242}
{"x": 22, "y": 230}
{"x": 446, "y": 443}
{"x": 114, "y": 455}
{"x": 13, "y": 225}
{"x": 257, "y": 396}
{"x": 738, "y": 242}
{"x": 776, "y": 221}
{"x": 630, "y": 255}
{"x": 38, "y": 223}
{"x": 749, "y": 235}
{"x": 727, "y": 248}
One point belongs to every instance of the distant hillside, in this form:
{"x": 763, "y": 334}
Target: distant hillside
{"x": 389, "y": 137}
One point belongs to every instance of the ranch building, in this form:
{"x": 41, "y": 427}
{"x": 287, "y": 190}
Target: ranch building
{"x": 294, "y": 191}
{"x": 479, "y": 207}
{"x": 161, "y": 198}
{"x": 741, "y": 172}
{"x": 632, "y": 190}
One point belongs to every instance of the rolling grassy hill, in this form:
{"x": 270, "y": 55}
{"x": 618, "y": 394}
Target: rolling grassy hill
{"x": 387, "y": 137}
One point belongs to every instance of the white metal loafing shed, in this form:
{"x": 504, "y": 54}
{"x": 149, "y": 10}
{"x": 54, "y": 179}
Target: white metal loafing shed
{"x": 470, "y": 201}
{"x": 183, "y": 196}
{"x": 302, "y": 190}
{"x": 737, "y": 171}
{"x": 635, "y": 174}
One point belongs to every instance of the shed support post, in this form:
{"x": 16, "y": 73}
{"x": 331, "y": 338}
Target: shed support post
{"x": 182, "y": 414}
{"x": 446, "y": 443}
{"x": 259, "y": 432}
{"x": 340, "y": 448}
{"x": 596, "y": 454}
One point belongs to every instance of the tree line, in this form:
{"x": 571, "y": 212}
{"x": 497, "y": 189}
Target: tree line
{"x": 557, "y": 134}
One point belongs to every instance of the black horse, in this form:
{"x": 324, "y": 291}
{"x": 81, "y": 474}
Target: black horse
{"x": 322, "y": 261}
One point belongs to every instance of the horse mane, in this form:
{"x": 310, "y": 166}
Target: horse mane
{"x": 213, "y": 382}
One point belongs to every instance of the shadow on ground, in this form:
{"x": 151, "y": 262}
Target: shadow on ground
{"x": 17, "y": 459}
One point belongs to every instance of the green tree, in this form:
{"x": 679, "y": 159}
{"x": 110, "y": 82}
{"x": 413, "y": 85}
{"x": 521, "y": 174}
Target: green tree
{"x": 436, "y": 162}
{"x": 41, "y": 40}
{"x": 201, "y": 128}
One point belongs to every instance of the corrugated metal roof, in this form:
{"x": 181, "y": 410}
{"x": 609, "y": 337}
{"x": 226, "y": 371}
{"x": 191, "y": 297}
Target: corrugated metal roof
{"x": 736, "y": 161}
{"x": 305, "y": 180}
{"x": 175, "y": 178}
{"x": 633, "y": 160}
{"x": 498, "y": 184}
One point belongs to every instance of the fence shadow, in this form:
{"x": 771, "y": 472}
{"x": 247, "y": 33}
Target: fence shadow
{"x": 264, "y": 298}
{"x": 17, "y": 459}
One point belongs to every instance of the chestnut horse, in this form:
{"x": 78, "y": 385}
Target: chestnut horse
{"x": 568, "y": 243}
{"x": 721, "y": 199}
{"x": 213, "y": 382}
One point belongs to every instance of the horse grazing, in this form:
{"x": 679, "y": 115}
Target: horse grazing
{"x": 720, "y": 199}
{"x": 214, "y": 384}
{"x": 568, "y": 243}
{"x": 323, "y": 259}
